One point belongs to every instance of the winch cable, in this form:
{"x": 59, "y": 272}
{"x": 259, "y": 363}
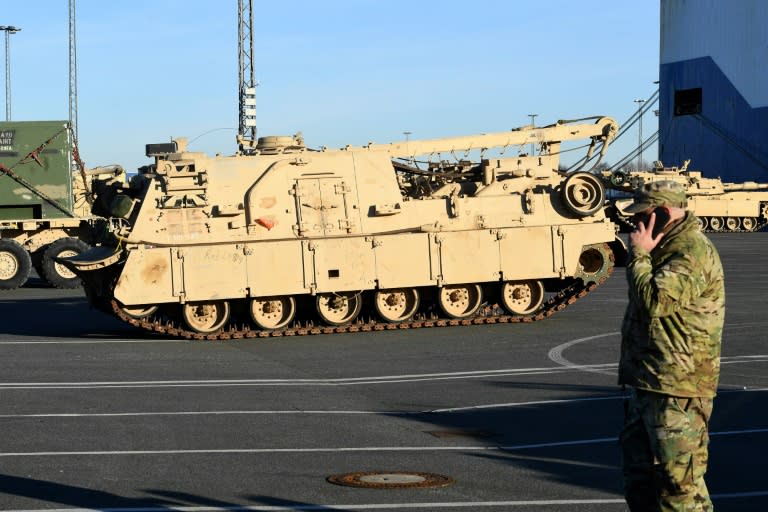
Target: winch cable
{"x": 649, "y": 103}
{"x": 654, "y": 137}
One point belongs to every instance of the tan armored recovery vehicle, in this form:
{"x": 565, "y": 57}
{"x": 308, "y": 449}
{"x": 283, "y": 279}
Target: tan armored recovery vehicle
{"x": 289, "y": 240}
{"x": 721, "y": 207}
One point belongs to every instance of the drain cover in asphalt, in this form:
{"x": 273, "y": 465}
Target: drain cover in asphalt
{"x": 390, "y": 480}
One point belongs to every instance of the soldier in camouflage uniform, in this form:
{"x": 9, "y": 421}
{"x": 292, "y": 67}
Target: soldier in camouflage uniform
{"x": 670, "y": 353}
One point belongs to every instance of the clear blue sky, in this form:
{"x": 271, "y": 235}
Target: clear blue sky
{"x": 341, "y": 71}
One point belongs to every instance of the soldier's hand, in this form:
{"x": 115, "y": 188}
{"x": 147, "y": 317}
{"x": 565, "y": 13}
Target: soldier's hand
{"x": 642, "y": 237}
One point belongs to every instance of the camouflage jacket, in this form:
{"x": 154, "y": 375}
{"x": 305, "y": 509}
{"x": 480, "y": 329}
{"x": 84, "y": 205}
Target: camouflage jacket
{"x": 672, "y": 329}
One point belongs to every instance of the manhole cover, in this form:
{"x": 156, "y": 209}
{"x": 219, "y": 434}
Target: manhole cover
{"x": 390, "y": 480}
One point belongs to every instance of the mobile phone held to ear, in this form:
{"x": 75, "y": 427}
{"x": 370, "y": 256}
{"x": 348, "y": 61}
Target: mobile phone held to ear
{"x": 662, "y": 219}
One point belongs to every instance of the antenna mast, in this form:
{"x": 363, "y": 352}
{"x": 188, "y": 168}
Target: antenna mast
{"x": 246, "y": 135}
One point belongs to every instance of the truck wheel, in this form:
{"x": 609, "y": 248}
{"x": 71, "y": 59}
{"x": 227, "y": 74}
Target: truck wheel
{"x": 15, "y": 264}
{"x": 56, "y": 273}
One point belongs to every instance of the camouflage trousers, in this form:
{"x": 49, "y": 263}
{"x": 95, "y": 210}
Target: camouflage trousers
{"x": 664, "y": 447}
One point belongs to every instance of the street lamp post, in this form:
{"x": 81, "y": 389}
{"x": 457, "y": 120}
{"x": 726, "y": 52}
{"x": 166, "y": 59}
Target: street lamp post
{"x": 407, "y": 138}
{"x": 8, "y": 31}
{"x": 533, "y": 125}
{"x": 640, "y": 135}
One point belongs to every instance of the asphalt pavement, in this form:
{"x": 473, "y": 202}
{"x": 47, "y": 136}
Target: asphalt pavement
{"x": 96, "y": 414}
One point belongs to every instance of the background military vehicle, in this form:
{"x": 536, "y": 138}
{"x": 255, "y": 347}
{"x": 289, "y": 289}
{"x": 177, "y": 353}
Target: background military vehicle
{"x": 44, "y": 212}
{"x": 729, "y": 207}
{"x": 280, "y": 236}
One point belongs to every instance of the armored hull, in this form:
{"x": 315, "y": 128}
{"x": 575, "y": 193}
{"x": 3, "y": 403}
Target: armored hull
{"x": 288, "y": 240}
{"x": 721, "y": 207}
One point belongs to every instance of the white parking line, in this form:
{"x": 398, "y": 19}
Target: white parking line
{"x": 355, "y": 449}
{"x": 525, "y": 404}
{"x": 572, "y": 400}
{"x": 347, "y": 506}
{"x": 555, "y": 354}
{"x": 352, "y": 381}
{"x": 381, "y": 506}
{"x": 339, "y": 412}
{"x": 208, "y": 413}
{"x": 160, "y": 339}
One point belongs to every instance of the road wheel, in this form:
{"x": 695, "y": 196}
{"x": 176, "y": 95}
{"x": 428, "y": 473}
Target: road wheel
{"x": 396, "y": 305}
{"x": 54, "y": 272}
{"x": 619, "y": 178}
{"x": 522, "y": 297}
{"x": 205, "y": 317}
{"x": 732, "y": 223}
{"x": 460, "y": 300}
{"x": 15, "y": 264}
{"x": 139, "y": 312}
{"x": 748, "y": 223}
{"x": 716, "y": 223}
{"x": 271, "y": 313}
{"x": 339, "y": 308}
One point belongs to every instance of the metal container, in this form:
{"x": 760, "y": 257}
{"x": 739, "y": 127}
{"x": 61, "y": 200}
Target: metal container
{"x": 35, "y": 170}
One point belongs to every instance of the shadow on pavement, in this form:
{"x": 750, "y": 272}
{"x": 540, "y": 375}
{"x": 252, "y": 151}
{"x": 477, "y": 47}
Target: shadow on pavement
{"x": 64, "y": 317}
{"x": 72, "y": 495}
{"x": 575, "y": 443}
{"x": 157, "y": 500}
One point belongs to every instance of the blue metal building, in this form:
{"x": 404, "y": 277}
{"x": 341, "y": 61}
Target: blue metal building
{"x": 714, "y": 87}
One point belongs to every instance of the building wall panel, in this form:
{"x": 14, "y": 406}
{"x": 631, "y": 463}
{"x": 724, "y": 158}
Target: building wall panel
{"x": 721, "y": 48}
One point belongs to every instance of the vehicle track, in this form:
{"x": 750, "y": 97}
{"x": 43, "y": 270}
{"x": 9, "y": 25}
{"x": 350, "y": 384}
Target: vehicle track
{"x": 490, "y": 314}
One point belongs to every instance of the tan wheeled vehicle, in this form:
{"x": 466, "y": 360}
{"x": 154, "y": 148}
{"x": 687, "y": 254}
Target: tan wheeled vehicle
{"x": 721, "y": 207}
{"x": 44, "y": 208}
{"x": 284, "y": 240}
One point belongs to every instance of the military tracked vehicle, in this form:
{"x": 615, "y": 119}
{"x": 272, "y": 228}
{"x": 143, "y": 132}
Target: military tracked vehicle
{"x": 44, "y": 211}
{"x": 721, "y": 207}
{"x": 282, "y": 239}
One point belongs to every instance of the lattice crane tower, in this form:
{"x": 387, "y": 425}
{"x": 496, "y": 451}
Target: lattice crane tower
{"x": 247, "y": 85}
{"x": 72, "y": 70}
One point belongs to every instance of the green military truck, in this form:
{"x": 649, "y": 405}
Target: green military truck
{"x": 44, "y": 213}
